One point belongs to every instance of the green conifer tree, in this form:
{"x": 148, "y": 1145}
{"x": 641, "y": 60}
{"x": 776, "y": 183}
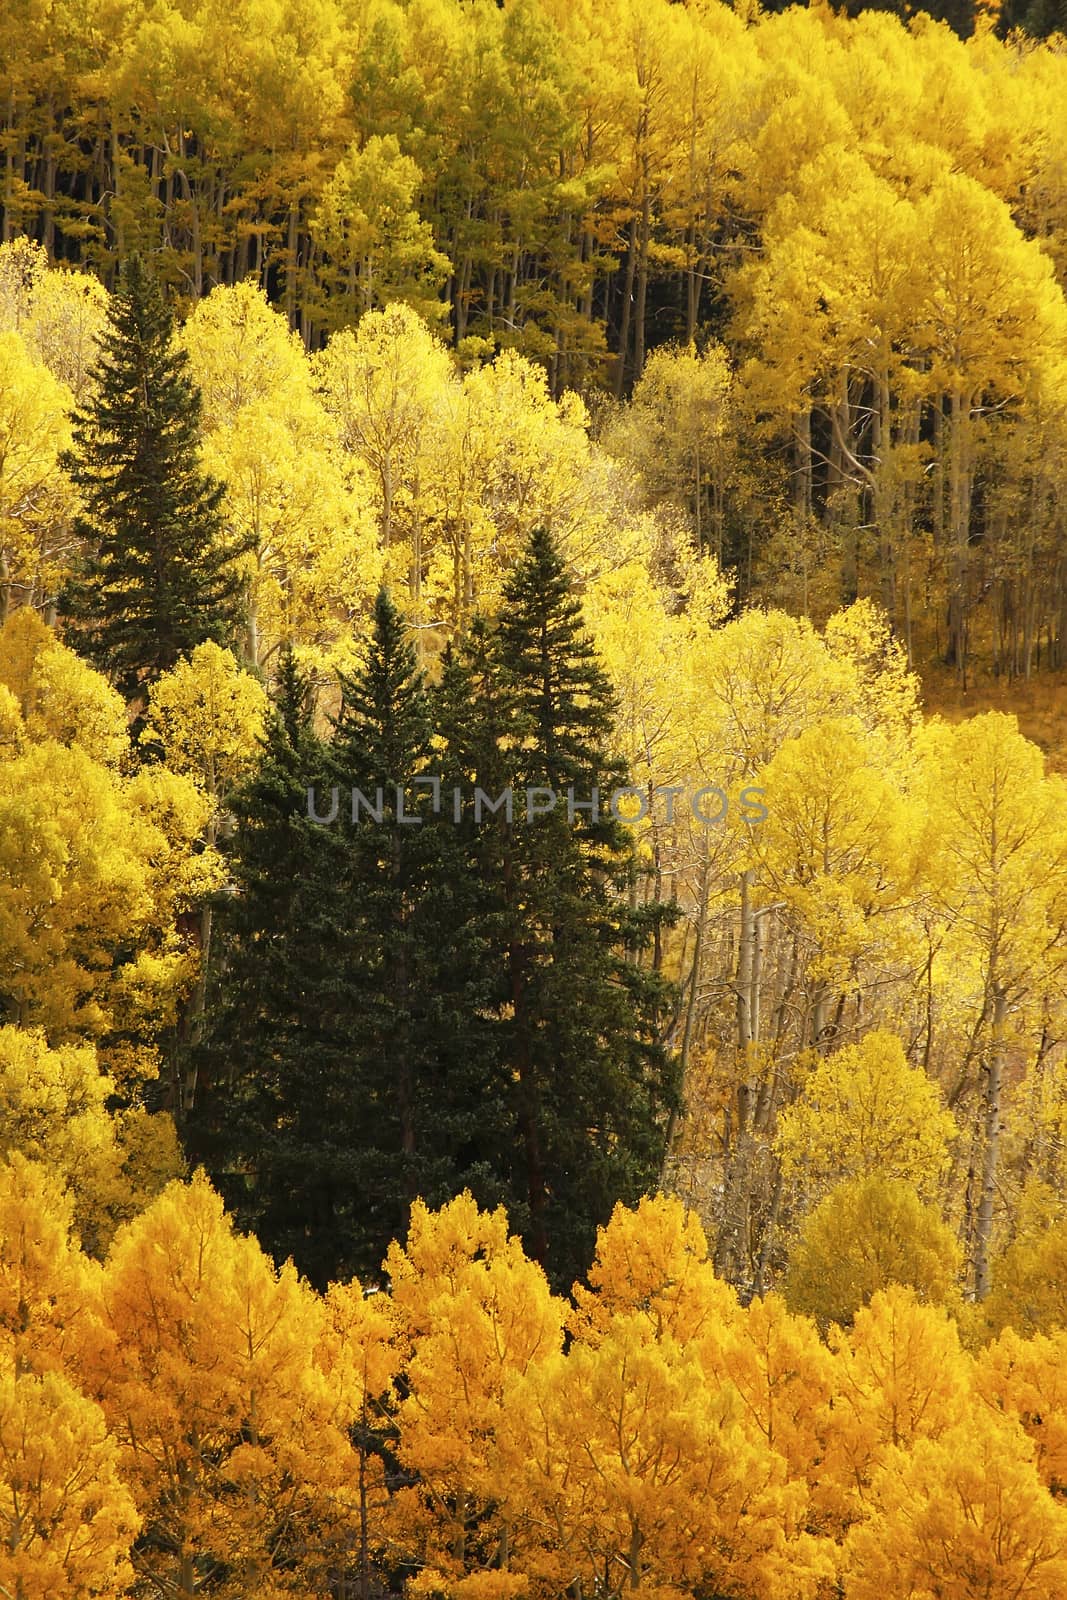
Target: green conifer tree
{"x": 270, "y": 1075}
{"x": 352, "y": 1063}
{"x": 423, "y": 995}
{"x": 158, "y": 577}
{"x": 592, "y": 1084}
{"x": 425, "y": 1072}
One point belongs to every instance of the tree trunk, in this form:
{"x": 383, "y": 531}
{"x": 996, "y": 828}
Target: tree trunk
{"x": 991, "y": 1147}
{"x": 9, "y": 169}
{"x": 693, "y": 990}
{"x": 802, "y": 475}
{"x": 627, "y": 306}
{"x": 642, "y": 285}
{"x": 729, "y": 1255}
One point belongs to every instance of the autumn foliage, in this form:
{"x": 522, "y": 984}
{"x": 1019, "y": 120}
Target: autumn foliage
{"x": 636, "y": 393}
{"x": 206, "y": 1420}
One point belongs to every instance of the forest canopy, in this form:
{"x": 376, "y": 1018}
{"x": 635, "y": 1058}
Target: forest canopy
{"x": 859, "y": 225}
{"x": 530, "y": 1060}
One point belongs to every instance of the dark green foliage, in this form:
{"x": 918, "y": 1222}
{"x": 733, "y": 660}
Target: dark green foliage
{"x": 1037, "y": 17}
{"x": 959, "y": 14}
{"x": 158, "y": 576}
{"x": 593, "y": 1085}
{"x": 418, "y": 999}
{"x": 425, "y": 1076}
{"x": 270, "y": 1070}
{"x": 349, "y": 1060}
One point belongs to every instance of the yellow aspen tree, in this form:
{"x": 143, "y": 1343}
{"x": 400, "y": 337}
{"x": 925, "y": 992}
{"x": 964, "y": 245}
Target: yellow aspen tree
{"x": 59, "y": 695}
{"x": 361, "y": 1352}
{"x": 379, "y": 249}
{"x": 783, "y": 1374}
{"x": 35, "y": 497}
{"x": 654, "y": 1260}
{"x": 676, "y": 431}
{"x": 60, "y": 314}
{"x": 1029, "y": 1280}
{"x": 94, "y": 860}
{"x": 965, "y": 1517}
{"x": 647, "y": 649}
{"x": 312, "y": 571}
{"x": 67, "y": 317}
{"x": 49, "y": 1291}
{"x": 86, "y": 870}
{"x": 864, "y": 1110}
{"x": 67, "y": 1519}
{"x": 901, "y": 1378}
{"x": 1027, "y": 1379}
{"x": 995, "y": 859}
{"x": 54, "y": 1110}
{"x": 866, "y": 1235}
{"x": 476, "y": 1316}
{"x": 207, "y": 716}
{"x": 384, "y": 386}
{"x": 231, "y": 1441}
{"x": 983, "y": 285}
{"x": 753, "y": 685}
{"x": 641, "y": 1464}
{"x": 837, "y": 849}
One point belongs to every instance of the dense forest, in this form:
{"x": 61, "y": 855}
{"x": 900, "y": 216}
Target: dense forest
{"x": 861, "y": 225}
{"x": 530, "y": 1063}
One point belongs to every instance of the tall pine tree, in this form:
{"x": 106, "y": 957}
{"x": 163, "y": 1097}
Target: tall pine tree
{"x": 270, "y": 1119}
{"x": 352, "y": 1063}
{"x": 592, "y": 1085}
{"x": 158, "y": 577}
{"x": 426, "y": 1068}
{"x": 414, "y": 1004}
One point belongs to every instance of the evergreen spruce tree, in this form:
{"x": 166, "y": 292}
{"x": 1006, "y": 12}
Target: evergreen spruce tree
{"x": 159, "y": 577}
{"x": 270, "y": 1118}
{"x": 425, "y": 1074}
{"x": 350, "y": 1062}
{"x": 380, "y": 745}
{"x": 592, "y": 1086}
{"x": 472, "y": 722}
{"x": 419, "y": 1000}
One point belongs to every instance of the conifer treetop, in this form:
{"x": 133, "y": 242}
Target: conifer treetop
{"x": 159, "y": 575}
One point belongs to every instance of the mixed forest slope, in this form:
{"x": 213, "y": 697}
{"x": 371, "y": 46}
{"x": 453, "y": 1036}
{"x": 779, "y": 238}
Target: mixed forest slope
{"x": 861, "y": 223}
{"x": 533, "y": 836}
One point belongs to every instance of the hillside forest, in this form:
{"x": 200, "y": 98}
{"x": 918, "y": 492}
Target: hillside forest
{"x": 530, "y": 1060}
